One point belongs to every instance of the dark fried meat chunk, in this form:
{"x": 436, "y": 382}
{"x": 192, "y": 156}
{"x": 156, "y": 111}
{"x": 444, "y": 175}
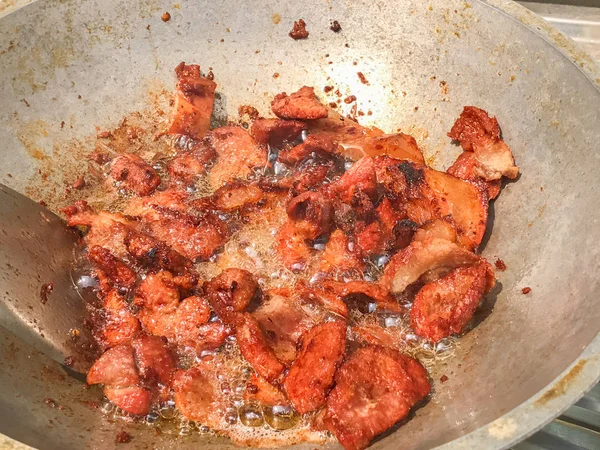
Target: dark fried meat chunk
{"x": 134, "y": 174}
{"x": 256, "y": 350}
{"x": 120, "y": 325}
{"x": 154, "y": 360}
{"x": 185, "y": 166}
{"x": 472, "y": 125}
{"x": 313, "y": 208}
{"x": 302, "y": 104}
{"x": 193, "y": 102}
{"x": 153, "y": 254}
{"x": 276, "y": 132}
{"x": 111, "y": 270}
{"x": 230, "y": 292}
{"x": 322, "y": 144}
{"x": 375, "y": 388}
{"x": 445, "y": 306}
{"x": 299, "y": 30}
{"x": 311, "y": 376}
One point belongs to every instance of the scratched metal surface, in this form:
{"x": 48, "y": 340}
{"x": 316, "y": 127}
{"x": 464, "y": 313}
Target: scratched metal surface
{"x": 69, "y": 66}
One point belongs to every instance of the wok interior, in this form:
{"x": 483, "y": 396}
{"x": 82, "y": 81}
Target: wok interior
{"x": 544, "y": 232}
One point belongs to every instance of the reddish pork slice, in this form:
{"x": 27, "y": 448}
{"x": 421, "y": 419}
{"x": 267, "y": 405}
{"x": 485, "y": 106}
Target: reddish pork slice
{"x": 375, "y": 388}
{"x": 116, "y": 367}
{"x": 134, "y": 174}
{"x": 445, "y": 306}
{"x": 154, "y": 254}
{"x": 187, "y": 165}
{"x": 230, "y": 292}
{"x": 133, "y": 399}
{"x": 465, "y": 168}
{"x": 311, "y": 376}
{"x": 154, "y": 360}
{"x": 398, "y": 146}
{"x": 302, "y": 104}
{"x": 291, "y": 245}
{"x": 276, "y": 132}
{"x": 193, "y": 102}
{"x": 198, "y": 395}
{"x": 111, "y": 271}
{"x": 258, "y": 389}
{"x": 120, "y": 325}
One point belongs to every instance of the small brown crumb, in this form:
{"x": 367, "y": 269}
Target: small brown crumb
{"x": 123, "y": 437}
{"x": 210, "y": 75}
{"x": 79, "y": 183}
{"x": 526, "y": 290}
{"x": 26, "y": 102}
{"x": 166, "y": 17}
{"x": 335, "y": 26}
{"x": 99, "y": 157}
{"x": 43, "y": 203}
{"x": 74, "y": 334}
{"x": 276, "y": 75}
{"x": 347, "y": 45}
{"x": 104, "y": 135}
{"x": 416, "y": 108}
{"x": 9, "y": 175}
{"x": 44, "y": 291}
{"x": 362, "y": 78}
{"x": 299, "y": 30}
{"x": 247, "y": 110}
{"x": 222, "y": 40}
{"x": 333, "y": 105}
{"x": 51, "y": 403}
{"x": 148, "y": 27}
{"x": 328, "y": 89}
{"x": 79, "y": 97}
{"x": 500, "y": 265}
{"x": 62, "y": 124}
{"x": 69, "y": 361}
{"x": 350, "y": 99}
{"x": 369, "y": 113}
{"x": 443, "y": 378}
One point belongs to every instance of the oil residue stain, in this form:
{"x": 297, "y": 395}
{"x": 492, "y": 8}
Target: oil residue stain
{"x": 30, "y": 135}
{"x": 276, "y": 18}
{"x": 563, "y": 384}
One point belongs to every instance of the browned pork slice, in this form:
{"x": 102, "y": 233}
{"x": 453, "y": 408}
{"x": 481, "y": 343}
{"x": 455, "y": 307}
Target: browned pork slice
{"x": 302, "y": 104}
{"x": 134, "y": 174}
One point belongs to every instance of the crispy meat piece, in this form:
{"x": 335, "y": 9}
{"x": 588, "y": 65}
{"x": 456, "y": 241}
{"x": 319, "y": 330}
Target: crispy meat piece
{"x": 373, "y": 239}
{"x": 375, "y": 388}
{"x": 302, "y": 104}
{"x": 445, "y": 306}
{"x": 398, "y": 146}
{"x": 322, "y": 144}
{"x": 291, "y": 245}
{"x": 494, "y": 160}
{"x": 153, "y": 254}
{"x": 438, "y": 228}
{"x": 314, "y": 209}
{"x": 356, "y": 292}
{"x": 135, "y": 174}
{"x": 311, "y": 376}
{"x": 154, "y": 360}
{"x": 116, "y": 367}
{"x": 193, "y": 102}
{"x": 373, "y": 334}
{"x": 276, "y": 132}
{"x": 361, "y": 177}
{"x": 237, "y": 154}
{"x": 299, "y": 30}
{"x": 337, "y": 255}
{"x": 133, "y": 399}
{"x": 120, "y": 325}
{"x": 258, "y": 389}
{"x": 111, "y": 271}
{"x": 236, "y": 195}
{"x": 191, "y": 313}
{"x": 198, "y": 395}
{"x": 230, "y": 292}
{"x": 188, "y": 165}
{"x": 464, "y": 168}
{"x": 256, "y": 350}
{"x": 310, "y": 176}
{"x": 208, "y": 336}
{"x": 432, "y": 254}
{"x": 472, "y": 125}
{"x": 158, "y": 291}
{"x": 152, "y": 207}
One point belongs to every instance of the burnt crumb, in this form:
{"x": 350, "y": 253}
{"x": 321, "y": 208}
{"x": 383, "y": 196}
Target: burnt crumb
{"x": 165, "y": 17}
{"x": 411, "y": 174}
{"x": 500, "y": 265}
{"x": 79, "y": 97}
{"x": 335, "y": 26}
{"x": 122, "y": 437}
{"x": 99, "y": 157}
{"x": 26, "y": 102}
{"x": 526, "y": 290}
{"x": 79, "y": 183}
{"x": 104, "y": 135}
{"x": 299, "y": 30}
{"x": 362, "y": 78}
{"x": 416, "y": 108}
{"x": 43, "y": 203}
{"x": 247, "y": 110}
{"x": 333, "y": 105}
{"x": 276, "y": 75}
{"x": 44, "y": 291}
{"x": 210, "y": 75}
{"x": 62, "y": 124}
{"x": 443, "y": 378}
{"x": 328, "y": 89}
{"x": 148, "y": 27}
{"x": 51, "y": 403}
{"x": 350, "y": 99}
{"x": 69, "y": 361}
{"x": 9, "y": 175}
{"x": 347, "y": 45}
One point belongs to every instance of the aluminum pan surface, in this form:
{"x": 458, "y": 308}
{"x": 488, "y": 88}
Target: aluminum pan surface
{"x": 548, "y": 112}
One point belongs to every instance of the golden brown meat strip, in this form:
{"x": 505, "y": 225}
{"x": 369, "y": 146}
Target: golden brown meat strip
{"x": 375, "y": 388}
{"x": 258, "y": 389}
{"x": 111, "y": 271}
{"x": 153, "y": 254}
{"x": 135, "y": 174}
{"x": 302, "y": 104}
{"x": 311, "y": 376}
{"x": 445, "y": 306}
{"x": 154, "y": 360}
{"x": 116, "y": 367}
{"x": 193, "y": 102}
{"x": 276, "y": 132}
{"x": 120, "y": 325}
{"x": 230, "y": 292}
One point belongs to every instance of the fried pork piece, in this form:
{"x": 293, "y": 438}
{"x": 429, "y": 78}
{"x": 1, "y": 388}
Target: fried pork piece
{"x": 338, "y": 257}
{"x": 283, "y": 321}
{"x": 236, "y": 195}
{"x": 321, "y": 144}
{"x": 258, "y": 389}
{"x": 302, "y": 104}
{"x": 120, "y": 325}
{"x": 153, "y": 254}
{"x": 358, "y": 293}
{"x": 309, "y": 176}
{"x": 105, "y": 229}
{"x": 111, "y": 271}
{"x": 445, "y": 306}
{"x": 360, "y": 178}
{"x": 133, "y": 399}
{"x": 158, "y": 291}
{"x": 116, "y": 367}
{"x": 154, "y": 360}
{"x": 431, "y": 255}
{"x": 256, "y": 350}
{"x": 135, "y": 174}
{"x": 291, "y": 245}
{"x": 314, "y": 210}
{"x": 193, "y": 102}
{"x": 187, "y": 165}
{"x": 198, "y": 395}
{"x": 237, "y": 154}
{"x": 398, "y": 146}
{"x": 311, "y": 376}
{"x": 230, "y": 292}
{"x": 437, "y": 228}
{"x": 491, "y": 158}
{"x": 375, "y": 388}
{"x": 276, "y": 132}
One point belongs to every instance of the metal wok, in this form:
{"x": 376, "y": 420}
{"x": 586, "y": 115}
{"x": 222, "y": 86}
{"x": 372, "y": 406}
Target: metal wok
{"x": 69, "y": 66}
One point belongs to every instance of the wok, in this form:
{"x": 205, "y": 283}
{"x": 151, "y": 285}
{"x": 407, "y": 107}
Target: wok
{"x": 69, "y": 66}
